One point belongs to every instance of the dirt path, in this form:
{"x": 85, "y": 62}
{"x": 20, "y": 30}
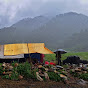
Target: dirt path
{"x": 4, "y": 83}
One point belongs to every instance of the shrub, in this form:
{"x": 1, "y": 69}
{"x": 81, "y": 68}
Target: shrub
{"x": 1, "y": 70}
{"x": 25, "y": 70}
{"x": 13, "y": 64}
{"x": 14, "y": 76}
{"x": 84, "y": 76}
{"x": 53, "y": 76}
{"x": 5, "y": 76}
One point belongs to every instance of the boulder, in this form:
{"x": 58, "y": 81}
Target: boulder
{"x": 20, "y": 77}
{"x": 40, "y": 66}
{"x": 82, "y": 82}
{"x": 46, "y": 69}
{"x": 38, "y": 77}
{"x": 46, "y": 76}
{"x": 10, "y": 68}
{"x": 63, "y": 76}
{"x": 4, "y": 64}
{"x": 84, "y": 68}
{"x": 60, "y": 67}
{"x": 77, "y": 69}
{"x": 16, "y": 64}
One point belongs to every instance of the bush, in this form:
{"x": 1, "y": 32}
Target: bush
{"x": 5, "y": 76}
{"x": 14, "y": 76}
{"x": 1, "y": 70}
{"x": 53, "y": 76}
{"x": 25, "y": 70}
{"x": 84, "y": 76}
{"x": 13, "y": 64}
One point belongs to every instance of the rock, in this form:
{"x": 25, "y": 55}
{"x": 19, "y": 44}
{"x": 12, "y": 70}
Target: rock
{"x": 81, "y": 65}
{"x": 54, "y": 68}
{"x": 50, "y": 70}
{"x": 9, "y": 75}
{"x": 77, "y": 69}
{"x": 84, "y": 72}
{"x": 4, "y": 64}
{"x": 6, "y": 73}
{"x": 79, "y": 73}
{"x": 20, "y": 77}
{"x": 55, "y": 71}
{"x": 46, "y": 76}
{"x": 10, "y": 68}
{"x": 68, "y": 69}
{"x": 84, "y": 68}
{"x": 65, "y": 72}
{"x": 41, "y": 75}
{"x": 82, "y": 82}
{"x": 63, "y": 76}
{"x": 71, "y": 67}
{"x": 40, "y": 71}
{"x": 59, "y": 66}
{"x": 4, "y": 68}
{"x": 38, "y": 77}
{"x": 40, "y": 66}
{"x": 3, "y": 73}
{"x": 16, "y": 64}
{"x": 46, "y": 69}
{"x": 73, "y": 70}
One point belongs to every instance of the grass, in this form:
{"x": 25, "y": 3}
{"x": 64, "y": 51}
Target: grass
{"x": 82, "y": 55}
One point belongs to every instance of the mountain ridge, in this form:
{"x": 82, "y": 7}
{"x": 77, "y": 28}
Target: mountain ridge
{"x": 53, "y": 32}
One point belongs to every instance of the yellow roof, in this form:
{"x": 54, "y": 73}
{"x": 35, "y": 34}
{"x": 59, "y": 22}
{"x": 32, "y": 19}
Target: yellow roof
{"x": 24, "y": 48}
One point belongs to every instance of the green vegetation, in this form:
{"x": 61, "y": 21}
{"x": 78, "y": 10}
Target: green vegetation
{"x": 84, "y": 76}
{"x": 1, "y": 70}
{"x": 81, "y": 76}
{"x": 82, "y": 55}
{"x": 23, "y": 69}
{"x": 53, "y": 76}
{"x": 77, "y": 42}
{"x": 50, "y": 57}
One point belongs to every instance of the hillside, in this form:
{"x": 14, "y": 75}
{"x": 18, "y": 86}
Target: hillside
{"x": 40, "y": 29}
{"x": 30, "y": 24}
{"x": 77, "y": 42}
{"x": 60, "y": 28}
{"x": 20, "y": 31}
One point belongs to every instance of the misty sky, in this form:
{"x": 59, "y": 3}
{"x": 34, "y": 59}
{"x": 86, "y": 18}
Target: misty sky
{"x": 14, "y": 10}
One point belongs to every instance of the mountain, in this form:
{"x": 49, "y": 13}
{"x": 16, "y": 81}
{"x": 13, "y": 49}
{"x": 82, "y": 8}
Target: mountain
{"x": 77, "y": 42}
{"x": 19, "y": 31}
{"x": 30, "y": 24}
{"x": 53, "y": 32}
{"x": 60, "y": 28}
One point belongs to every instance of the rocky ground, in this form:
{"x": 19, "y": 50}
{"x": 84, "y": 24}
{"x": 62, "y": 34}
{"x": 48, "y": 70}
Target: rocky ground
{"x": 69, "y": 80}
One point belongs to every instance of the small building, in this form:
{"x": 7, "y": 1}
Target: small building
{"x": 18, "y": 51}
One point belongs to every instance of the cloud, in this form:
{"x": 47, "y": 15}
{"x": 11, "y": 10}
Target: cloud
{"x": 14, "y": 10}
